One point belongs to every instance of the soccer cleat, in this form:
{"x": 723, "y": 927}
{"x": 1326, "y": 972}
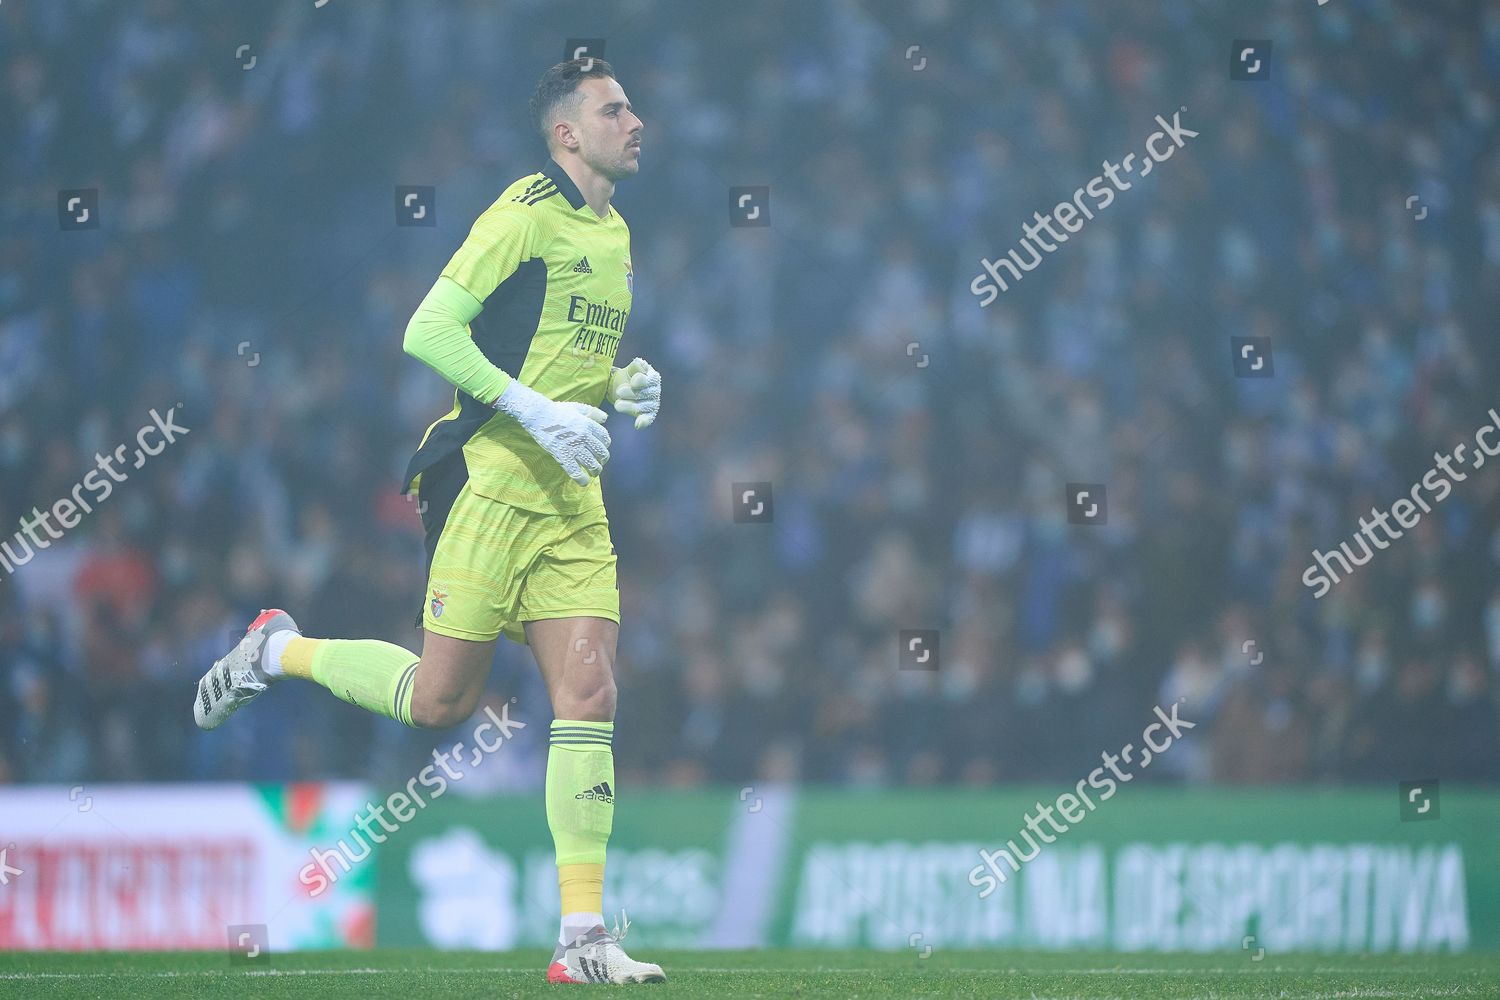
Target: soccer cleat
{"x": 239, "y": 676}
{"x": 596, "y": 957}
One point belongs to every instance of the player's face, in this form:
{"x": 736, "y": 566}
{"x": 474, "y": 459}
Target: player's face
{"x": 609, "y": 133}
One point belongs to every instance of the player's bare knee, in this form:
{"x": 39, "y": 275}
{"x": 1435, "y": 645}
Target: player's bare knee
{"x": 441, "y": 712}
{"x": 587, "y": 699}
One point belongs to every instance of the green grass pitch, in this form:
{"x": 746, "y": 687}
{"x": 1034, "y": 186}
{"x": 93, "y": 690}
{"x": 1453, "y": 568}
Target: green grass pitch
{"x": 410, "y": 974}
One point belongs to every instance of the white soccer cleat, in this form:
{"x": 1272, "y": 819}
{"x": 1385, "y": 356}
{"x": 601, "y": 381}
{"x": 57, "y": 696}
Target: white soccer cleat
{"x": 240, "y": 675}
{"x": 596, "y": 957}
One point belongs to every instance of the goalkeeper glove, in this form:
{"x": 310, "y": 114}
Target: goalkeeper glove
{"x": 635, "y": 390}
{"x": 572, "y": 433}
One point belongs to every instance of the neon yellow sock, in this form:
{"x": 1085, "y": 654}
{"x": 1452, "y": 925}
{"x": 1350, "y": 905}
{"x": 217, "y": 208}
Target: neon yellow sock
{"x": 377, "y": 676}
{"x": 582, "y": 888}
{"x": 297, "y": 657}
{"x": 581, "y": 809}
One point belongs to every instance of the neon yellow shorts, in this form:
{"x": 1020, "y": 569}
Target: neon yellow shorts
{"x": 495, "y": 566}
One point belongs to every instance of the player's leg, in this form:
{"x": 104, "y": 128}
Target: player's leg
{"x": 474, "y": 580}
{"x": 449, "y": 692}
{"x": 570, "y": 608}
{"x": 576, "y": 657}
{"x": 438, "y": 689}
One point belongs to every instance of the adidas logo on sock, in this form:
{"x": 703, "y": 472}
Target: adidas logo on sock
{"x": 582, "y": 267}
{"x": 600, "y": 793}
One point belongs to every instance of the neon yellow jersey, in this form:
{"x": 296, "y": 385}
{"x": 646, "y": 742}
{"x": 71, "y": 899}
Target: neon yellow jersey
{"x": 555, "y": 281}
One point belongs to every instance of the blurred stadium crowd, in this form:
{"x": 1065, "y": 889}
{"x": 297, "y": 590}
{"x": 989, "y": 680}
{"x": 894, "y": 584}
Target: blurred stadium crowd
{"x": 248, "y": 267}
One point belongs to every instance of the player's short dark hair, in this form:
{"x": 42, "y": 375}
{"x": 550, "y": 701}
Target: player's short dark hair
{"x": 559, "y": 84}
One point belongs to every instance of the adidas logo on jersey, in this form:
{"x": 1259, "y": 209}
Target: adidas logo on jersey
{"x": 600, "y": 792}
{"x": 582, "y": 267}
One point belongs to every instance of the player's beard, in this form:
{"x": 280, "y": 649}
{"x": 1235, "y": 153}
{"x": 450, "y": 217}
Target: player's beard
{"x": 629, "y": 165}
{"x": 621, "y": 165}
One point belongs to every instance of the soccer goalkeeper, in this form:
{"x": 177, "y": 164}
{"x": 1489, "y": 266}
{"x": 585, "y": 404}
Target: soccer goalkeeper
{"x": 524, "y": 321}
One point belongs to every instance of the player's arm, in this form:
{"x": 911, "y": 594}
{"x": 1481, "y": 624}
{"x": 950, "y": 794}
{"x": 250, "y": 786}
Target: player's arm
{"x": 438, "y": 335}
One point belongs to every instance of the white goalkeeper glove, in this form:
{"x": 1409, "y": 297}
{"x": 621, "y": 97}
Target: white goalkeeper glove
{"x": 635, "y": 390}
{"x": 572, "y": 433}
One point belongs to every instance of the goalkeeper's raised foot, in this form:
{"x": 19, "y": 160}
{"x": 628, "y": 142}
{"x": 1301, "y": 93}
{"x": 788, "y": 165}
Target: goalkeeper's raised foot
{"x": 240, "y": 676}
